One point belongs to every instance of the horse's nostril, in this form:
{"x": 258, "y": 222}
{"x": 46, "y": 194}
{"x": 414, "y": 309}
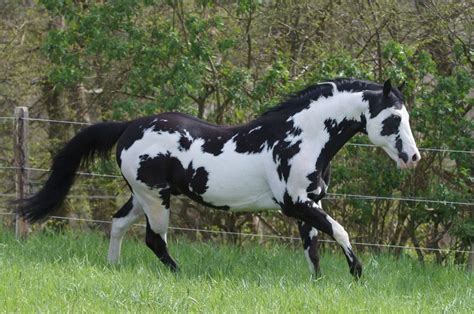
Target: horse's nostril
{"x": 414, "y": 157}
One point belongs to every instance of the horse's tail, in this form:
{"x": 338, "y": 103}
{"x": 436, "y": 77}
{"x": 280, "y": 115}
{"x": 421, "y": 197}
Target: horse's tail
{"x": 97, "y": 139}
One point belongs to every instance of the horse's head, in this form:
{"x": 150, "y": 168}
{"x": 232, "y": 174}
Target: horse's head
{"x": 388, "y": 125}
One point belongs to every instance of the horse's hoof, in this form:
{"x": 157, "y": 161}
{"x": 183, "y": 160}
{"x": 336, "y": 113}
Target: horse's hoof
{"x": 174, "y": 268}
{"x": 356, "y": 270}
{"x": 315, "y": 276}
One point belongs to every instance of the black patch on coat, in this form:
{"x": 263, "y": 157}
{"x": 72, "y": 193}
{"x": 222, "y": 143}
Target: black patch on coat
{"x": 132, "y": 134}
{"x": 378, "y": 102}
{"x": 185, "y": 143}
{"x": 252, "y": 141}
{"x": 282, "y": 154}
{"x": 399, "y": 146}
{"x": 154, "y": 171}
{"x": 318, "y": 180}
{"x": 403, "y": 156}
{"x": 166, "y": 173}
{"x": 199, "y": 178}
{"x": 214, "y": 144}
{"x": 165, "y": 195}
{"x": 339, "y": 134}
{"x": 391, "y": 125}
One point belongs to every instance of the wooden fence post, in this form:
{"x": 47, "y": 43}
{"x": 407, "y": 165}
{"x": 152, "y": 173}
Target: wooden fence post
{"x": 20, "y": 152}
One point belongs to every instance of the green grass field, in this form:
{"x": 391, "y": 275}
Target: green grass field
{"x": 69, "y": 272}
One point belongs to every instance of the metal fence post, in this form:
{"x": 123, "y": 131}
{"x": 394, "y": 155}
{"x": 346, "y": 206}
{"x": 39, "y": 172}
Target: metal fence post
{"x": 20, "y": 152}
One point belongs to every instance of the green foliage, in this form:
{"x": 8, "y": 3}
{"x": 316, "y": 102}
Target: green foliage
{"x": 191, "y": 57}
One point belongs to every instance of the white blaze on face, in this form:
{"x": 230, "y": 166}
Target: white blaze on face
{"x": 406, "y": 135}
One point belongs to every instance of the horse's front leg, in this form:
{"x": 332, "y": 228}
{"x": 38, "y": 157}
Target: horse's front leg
{"x": 309, "y": 237}
{"x": 312, "y": 213}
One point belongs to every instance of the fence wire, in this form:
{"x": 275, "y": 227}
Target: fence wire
{"x": 332, "y": 196}
{"x": 90, "y": 174}
{"x": 427, "y": 149}
{"x": 268, "y": 236}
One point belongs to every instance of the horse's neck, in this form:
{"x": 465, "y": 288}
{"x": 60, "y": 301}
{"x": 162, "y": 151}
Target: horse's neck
{"x": 332, "y": 121}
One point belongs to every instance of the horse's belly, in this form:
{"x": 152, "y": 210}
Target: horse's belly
{"x": 237, "y": 181}
{"x": 246, "y": 196}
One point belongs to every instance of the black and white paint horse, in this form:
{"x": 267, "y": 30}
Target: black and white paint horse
{"x": 279, "y": 161}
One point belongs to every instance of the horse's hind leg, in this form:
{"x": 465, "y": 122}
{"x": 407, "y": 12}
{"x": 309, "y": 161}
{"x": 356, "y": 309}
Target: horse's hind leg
{"x": 309, "y": 237}
{"x": 123, "y": 219}
{"x": 157, "y": 243}
{"x": 157, "y": 214}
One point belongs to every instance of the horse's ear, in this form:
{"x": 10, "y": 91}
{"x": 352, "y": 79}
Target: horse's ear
{"x": 387, "y": 87}
{"x": 402, "y": 86}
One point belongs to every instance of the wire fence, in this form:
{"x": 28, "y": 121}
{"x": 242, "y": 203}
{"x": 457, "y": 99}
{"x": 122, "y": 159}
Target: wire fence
{"x": 331, "y": 196}
{"x": 90, "y": 174}
{"x": 426, "y": 149}
{"x": 265, "y": 236}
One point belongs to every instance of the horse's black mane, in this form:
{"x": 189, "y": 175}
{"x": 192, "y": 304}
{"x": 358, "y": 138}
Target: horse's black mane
{"x": 315, "y": 91}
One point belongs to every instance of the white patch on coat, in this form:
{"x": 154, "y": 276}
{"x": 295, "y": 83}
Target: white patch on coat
{"x": 334, "y": 86}
{"x": 255, "y": 129}
{"x": 313, "y": 233}
{"x": 341, "y": 236}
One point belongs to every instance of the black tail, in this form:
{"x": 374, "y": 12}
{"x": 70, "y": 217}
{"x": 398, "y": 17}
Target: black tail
{"x": 97, "y": 139}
